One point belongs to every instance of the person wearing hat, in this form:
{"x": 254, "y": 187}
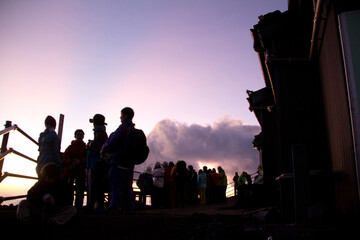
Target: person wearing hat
{"x": 49, "y": 146}
{"x": 97, "y": 169}
{"x": 145, "y": 184}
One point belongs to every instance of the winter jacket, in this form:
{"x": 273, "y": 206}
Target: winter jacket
{"x": 201, "y": 181}
{"x": 158, "y": 175}
{"x": 60, "y": 191}
{"x": 93, "y": 153}
{"x": 222, "y": 178}
{"x": 241, "y": 180}
{"x": 145, "y": 182}
{"x": 215, "y": 178}
{"x": 117, "y": 146}
{"x": 49, "y": 149}
{"x": 74, "y": 159}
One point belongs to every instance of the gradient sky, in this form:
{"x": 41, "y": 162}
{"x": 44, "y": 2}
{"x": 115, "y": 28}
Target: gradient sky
{"x": 188, "y": 61}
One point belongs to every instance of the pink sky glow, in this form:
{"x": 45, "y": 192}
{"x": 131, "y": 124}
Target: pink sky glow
{"x": 187, "y": 61}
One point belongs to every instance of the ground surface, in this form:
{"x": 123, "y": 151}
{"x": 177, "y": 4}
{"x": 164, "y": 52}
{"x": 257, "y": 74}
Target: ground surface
{"x": 216, "y": 221}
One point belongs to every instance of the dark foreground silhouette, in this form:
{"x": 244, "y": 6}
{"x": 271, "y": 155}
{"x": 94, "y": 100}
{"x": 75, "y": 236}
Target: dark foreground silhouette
{"x": 215, "y": 221}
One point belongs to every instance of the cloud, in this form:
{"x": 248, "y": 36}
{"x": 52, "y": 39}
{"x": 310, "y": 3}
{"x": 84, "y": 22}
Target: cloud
{"x": 227, "y": 142}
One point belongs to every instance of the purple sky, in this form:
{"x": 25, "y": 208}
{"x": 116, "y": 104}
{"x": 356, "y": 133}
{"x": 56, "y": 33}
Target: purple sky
{"x": 189, "y": 62}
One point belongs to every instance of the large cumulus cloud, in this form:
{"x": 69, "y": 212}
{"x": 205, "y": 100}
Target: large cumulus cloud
{"x": 227, "y": 142}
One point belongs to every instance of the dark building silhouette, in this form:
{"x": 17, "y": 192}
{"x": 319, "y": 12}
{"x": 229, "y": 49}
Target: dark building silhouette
{"x": 308, "y": 110}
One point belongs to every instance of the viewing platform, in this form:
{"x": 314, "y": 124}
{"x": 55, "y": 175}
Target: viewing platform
{"x": 212, "y": 221}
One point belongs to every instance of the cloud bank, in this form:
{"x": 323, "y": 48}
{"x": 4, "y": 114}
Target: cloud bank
{"x": 226, "y": 143}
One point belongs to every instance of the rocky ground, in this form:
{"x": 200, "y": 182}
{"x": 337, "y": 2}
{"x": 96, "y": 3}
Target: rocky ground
{"x": 216, "y": 221}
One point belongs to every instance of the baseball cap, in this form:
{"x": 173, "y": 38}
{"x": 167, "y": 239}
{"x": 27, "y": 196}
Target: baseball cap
{"x": 98, "y": 119}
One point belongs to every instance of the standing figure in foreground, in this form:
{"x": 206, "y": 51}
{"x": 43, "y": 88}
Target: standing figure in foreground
{"x": 121, "y": 166}
{"x": 97, "y": 169}
{"x": 74, "y": 163}
{"x": 49, "y": 146}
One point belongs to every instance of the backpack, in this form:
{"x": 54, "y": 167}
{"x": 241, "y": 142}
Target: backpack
{"x": 138, "y": 150}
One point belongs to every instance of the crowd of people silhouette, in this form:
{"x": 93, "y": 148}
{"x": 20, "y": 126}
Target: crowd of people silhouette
{"x": 175, "y": 185}
{"x": 106, "y": 165}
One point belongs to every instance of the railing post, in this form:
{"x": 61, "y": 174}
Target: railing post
{"x": 4, "y": 145}
{"x": 61, "y": 126}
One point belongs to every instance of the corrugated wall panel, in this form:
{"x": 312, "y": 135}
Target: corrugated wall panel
{"x": 338, "y": 118}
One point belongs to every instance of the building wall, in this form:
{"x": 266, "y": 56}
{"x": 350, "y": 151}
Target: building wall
{"x": 337, "y": 117}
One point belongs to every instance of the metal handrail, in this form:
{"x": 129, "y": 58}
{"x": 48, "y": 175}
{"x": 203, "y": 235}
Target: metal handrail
{"x": 7, "y": 174}
{"x": 4, "y": 151}
{"x": 4, "y": 154}
{"x": 9, "y": 129}
{"x": 24, "y": 156}
{"x": 26, "y": 135}
{"x": 11, "y": 150}
{"x": 16, "y": 127}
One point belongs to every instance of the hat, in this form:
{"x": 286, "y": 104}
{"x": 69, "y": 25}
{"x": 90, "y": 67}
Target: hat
{"x": 50, "y": 121}
{"x": 148, "y": 170}
{"x": 98, "y": 119}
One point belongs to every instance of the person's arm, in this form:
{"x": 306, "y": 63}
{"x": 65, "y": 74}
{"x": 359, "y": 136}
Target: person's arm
{"x": 113, "y": 141}
{"x": 67, "y": 156}
{"x": 56, "y": 148}
{"x": 36, "y": 193}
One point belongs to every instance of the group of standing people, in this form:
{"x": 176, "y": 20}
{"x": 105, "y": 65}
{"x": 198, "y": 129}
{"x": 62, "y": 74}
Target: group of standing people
{"x": 248, "y": 191}
{"x": 175, "y": 185}
{"x": 102, "y": 165}
{"x": 245, "y": 179}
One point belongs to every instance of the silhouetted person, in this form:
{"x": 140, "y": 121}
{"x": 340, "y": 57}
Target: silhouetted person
{"x": 223, "y": 183}
{"x": 96, "y": 165}
{"x": 74, "y": 163}
{"x": 244, "y": 190}
{"x": 192, "y": 185}
{"x": 158, "y": 189}
{"x": 172, "y": 185}
{"x": 49, "y": 200}
{"x": 259, "y": 179}
{"x": 49, "y": 146}
{"x": 208, "y": 184}
{"x": 235, "y": 179}
{"x": 121, "y": 167}
{"x": 248, "y": 178}
{"x": 145, "y": 184}
{"x": 180, "y": 177}
{"x": 201, "y": 183}
{"x": 215, "y": 191}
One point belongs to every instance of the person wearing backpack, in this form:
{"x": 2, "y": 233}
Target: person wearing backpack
{"x": 122, "y": 146}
